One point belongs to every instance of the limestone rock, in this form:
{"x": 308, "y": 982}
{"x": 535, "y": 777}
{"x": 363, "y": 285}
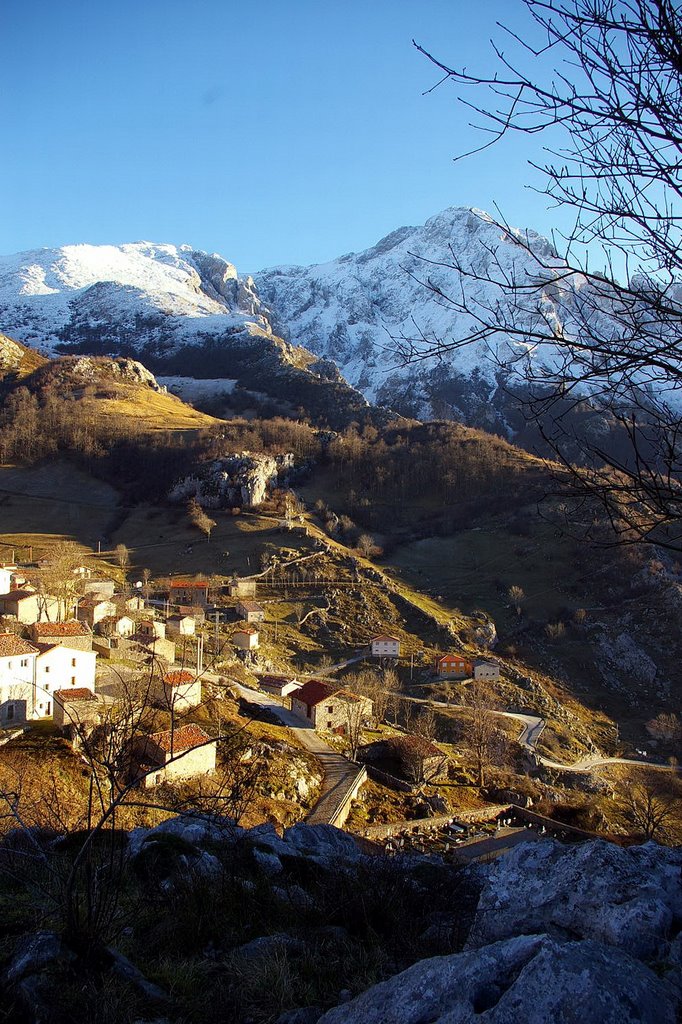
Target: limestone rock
{"x": 622, "y": 897}
{"x": 533, "y": 979}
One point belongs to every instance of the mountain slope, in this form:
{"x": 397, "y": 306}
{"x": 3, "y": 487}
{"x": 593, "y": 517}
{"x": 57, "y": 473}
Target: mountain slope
{"x": 352, "y": 308}
{"x": 181, "y": 311}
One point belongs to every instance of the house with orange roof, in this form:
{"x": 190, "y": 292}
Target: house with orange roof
{"x": 180, "y": 690}
{"x": 188, "y": 592}
{"x": 175, "y": 755}
{"x": 453, "y": 666}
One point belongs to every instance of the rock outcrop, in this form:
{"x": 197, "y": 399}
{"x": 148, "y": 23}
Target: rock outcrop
{"x": 244, "y": 478}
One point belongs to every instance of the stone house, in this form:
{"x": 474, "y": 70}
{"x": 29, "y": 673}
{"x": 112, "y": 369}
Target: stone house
{"x": 174, "y": 756}
{"x": 328, "y": 707}
{"x": 484, "y": 669}
{"x": 241, "y": 588}
{"x": 180, "y": 691}
{"x": 189, "y": 592}
{"x": 28, "y": 606}
{"x": 60, "y": 668}
{"x": 131, "y": 604}
{"x": 453, "y": 666}
{"x": 75, "y": 708}
{"x": 92, "y": 609}
{"x": 181, "y": 625}
{"x": 246, "y": 638}
{"x": 17, "y": 678}
{"x": 385, "y": 646}
{"x": 417, "y": 759}
{"x": 250, "y": 611}
{"x": 71, "y": 633}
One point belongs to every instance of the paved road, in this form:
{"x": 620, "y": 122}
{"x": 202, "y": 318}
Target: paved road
{"x": 339, "y": 774}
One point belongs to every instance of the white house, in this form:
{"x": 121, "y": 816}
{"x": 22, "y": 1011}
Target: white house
{"x": 60, "y": 668}
{"x": 181, "y": 625}
{"x": 5, "y": 580}
{"x": 92, "y": 609}
{"x": 191, "y": 749}
{"x": 250, "y": 611}
{"x": 385, "y": 646}
{"x": 246, "y": 638}
{"x": 181, "y": 690}
{"x": 152, "y": 628}
{"x": 17, "y": 674}
{"x": 28, "y": 607}
{"x": 486, "y": 669}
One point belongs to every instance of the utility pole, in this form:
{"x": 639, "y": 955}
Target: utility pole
{"x": 215, "y": 639}
{"x": 200, "y": 654}
{"x": 411, "y": 665}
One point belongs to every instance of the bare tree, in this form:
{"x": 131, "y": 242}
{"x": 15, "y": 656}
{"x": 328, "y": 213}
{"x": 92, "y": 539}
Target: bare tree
{"x": 665, "y": 727}
{"x": 484, "y": 740}
{"x": 122, "y": 555}
{"x": 355, "y": 714}
{"x": 651, "y": 807}
{"x": 366, "y": 544}
{"x": 199, "y": 518}
{"x": 602, "y": 79}
{"x": 57, "y": 577}
{"x": 517, "y": 598}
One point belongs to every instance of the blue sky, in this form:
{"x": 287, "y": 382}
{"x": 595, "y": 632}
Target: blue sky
{"x": 271, "y": 132}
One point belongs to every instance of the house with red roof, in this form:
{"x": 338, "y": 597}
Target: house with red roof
{"x": 328, "y": 707}
{"x": 181, "y": 690}
{"x": 69, "y": 634}
{"x": 188, "y": 592}
{"x": 246, "y": 638}
{"x": 175, "y": 755}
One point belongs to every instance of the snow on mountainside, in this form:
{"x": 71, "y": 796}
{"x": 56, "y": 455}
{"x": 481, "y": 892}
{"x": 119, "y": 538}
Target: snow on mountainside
{"x": 350, "y": 309}
{"x": 144, "y": 296}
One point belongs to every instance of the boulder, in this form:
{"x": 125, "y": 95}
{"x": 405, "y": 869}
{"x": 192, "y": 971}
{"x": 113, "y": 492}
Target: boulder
{"x": 533, "y": 979}
{"x": 267, "y": 945}
{"x": 622, "y": 897}
{"x": 323, "y": 843}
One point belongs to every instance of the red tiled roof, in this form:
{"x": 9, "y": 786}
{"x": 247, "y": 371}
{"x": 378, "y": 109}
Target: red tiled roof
{"x": 70, "y": 628}
{"x": 385, "y": 636}
{"x": 178, "y": 678}
{"x": 14, "y": 645}
{"x": 451, "y": 657}
{"x": 78, "y": 693}
{"x": 184, "y": 738}
{"x": 187, "y": 585}
{"x": 314, "y": 692}
{"x": 247, "y": 629}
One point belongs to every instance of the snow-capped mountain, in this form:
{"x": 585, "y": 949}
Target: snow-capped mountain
{"x": 150, "y": 297}
{"x": 354, "y": 308}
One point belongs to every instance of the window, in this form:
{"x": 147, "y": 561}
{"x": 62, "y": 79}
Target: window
{"x": 49, "y": 708}
{"x": 47, "y": 668}
{"x": 329, "y": 725}
{"x": 9, "y": 712}
{"x": 24, "y": 662}
{"x": 73, "y": 680}
{"x": 73, "y": 662}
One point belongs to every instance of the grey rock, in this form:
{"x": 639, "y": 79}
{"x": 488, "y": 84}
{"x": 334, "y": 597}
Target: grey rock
{"x": 323, "y": 843}
{"x": 122, "y": 966}
{"x": 529, "y": 979}
{"x": 269, "y": 863}
{"x": 34, "y": 953}
{"x": 622, "y": 897}
{"x": 267, "y": 945}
